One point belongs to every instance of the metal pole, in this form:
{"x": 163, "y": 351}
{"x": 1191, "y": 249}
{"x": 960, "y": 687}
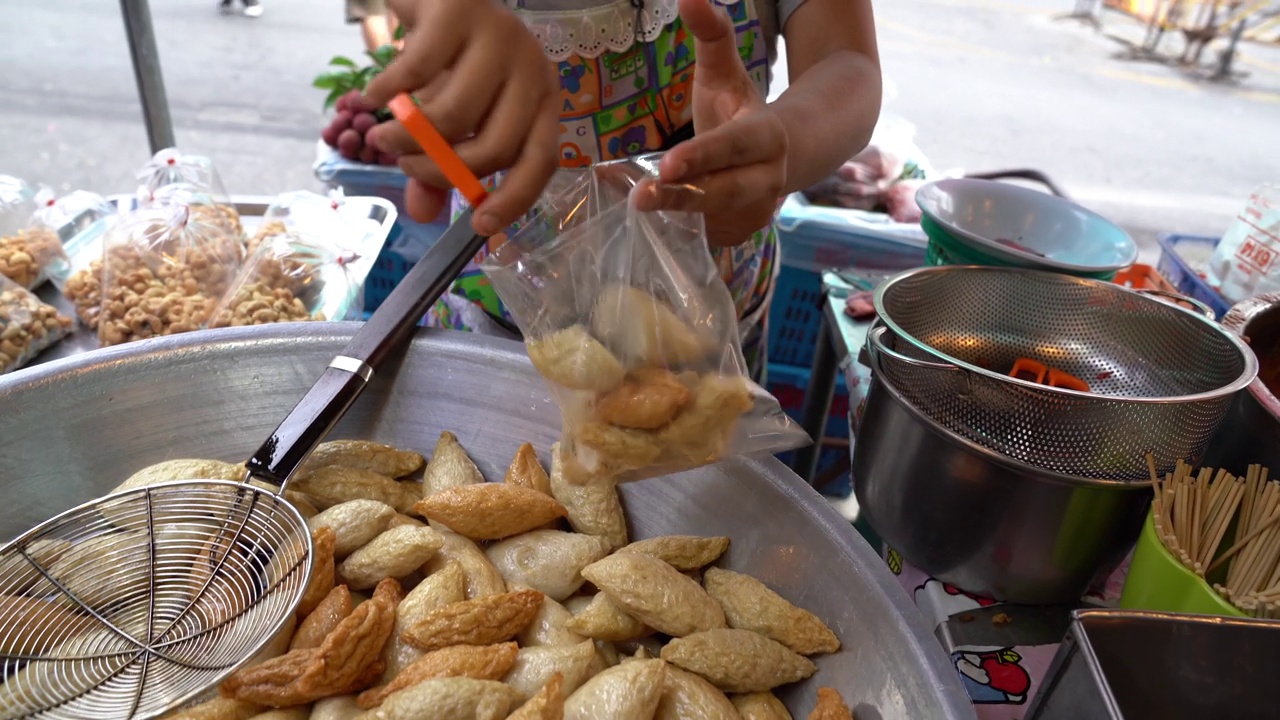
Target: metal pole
{"x": 146, "y": 69}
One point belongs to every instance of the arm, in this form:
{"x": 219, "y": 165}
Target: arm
{"x": 833, "y": 101}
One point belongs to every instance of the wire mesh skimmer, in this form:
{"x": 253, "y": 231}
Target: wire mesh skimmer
{"x": 1161, "y": 378}
{"x": 131, "y": 605}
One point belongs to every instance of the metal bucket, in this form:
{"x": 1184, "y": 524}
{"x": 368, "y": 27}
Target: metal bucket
{"x": 71, "y": 430}
{"x": 1250, "y": 432}
{"x": 979, "y": 520}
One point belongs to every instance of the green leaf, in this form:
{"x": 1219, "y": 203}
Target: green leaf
{"x": 383, "y": 55}
{"x": 399, "y": 33}
{"x": 341, "y": 61}
{"x": 331, "y": 79}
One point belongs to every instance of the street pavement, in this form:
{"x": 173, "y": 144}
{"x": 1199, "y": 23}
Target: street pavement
{"x": 989, "y": 84}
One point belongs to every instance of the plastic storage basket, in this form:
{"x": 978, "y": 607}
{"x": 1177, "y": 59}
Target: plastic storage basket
{"x": 814, "y": 239}
{"x": 1180, "y": 273}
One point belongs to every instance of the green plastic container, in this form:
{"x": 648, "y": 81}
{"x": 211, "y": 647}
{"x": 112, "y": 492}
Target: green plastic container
{"x": 944, "y": 249}
{"x": 1157, "y": 581}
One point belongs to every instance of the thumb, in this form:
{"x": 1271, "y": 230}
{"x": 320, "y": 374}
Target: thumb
{"x": 715, "y": 43}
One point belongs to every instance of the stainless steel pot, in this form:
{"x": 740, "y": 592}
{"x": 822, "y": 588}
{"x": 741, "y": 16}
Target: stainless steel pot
{"x": 72, "y": 429}
{"x": 1250, "y": 432}
{"x": 982, "y": 521}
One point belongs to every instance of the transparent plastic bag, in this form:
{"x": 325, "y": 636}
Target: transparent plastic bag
{"x": 1246, "y": 262}
{"x": 626, "y": 316}
{"x": 289, "y": 277}
{"x": 164, "y": 268}
{"x": 27, "y": 326}
{"x": 27, "y": 248}
{"x": 196, "y": 172}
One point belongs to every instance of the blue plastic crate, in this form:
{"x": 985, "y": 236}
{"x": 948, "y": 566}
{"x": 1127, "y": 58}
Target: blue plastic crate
{"x": 814, "y": 239}
{"x": 1174, "y": 268}
{"x": 790, "y": 384}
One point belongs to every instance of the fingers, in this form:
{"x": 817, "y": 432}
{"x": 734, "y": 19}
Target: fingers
{"x": 427, "y": 52}
{"x": 715, "y": 42}
{"x": 753, "y": 138}
{"x": 743, "y": 187}
{"x": 522, "y": 186}
{"x": 423, "y": 202}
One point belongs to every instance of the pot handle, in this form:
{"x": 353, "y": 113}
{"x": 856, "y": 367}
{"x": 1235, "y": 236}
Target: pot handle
{"x": 876, "y": 346}
{"x": 1179, "y": 299}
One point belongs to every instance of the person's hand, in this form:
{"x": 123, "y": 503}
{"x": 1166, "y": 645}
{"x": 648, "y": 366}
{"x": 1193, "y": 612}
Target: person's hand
{"x": 486, "y": 85}
{"x": 738, "y": 157}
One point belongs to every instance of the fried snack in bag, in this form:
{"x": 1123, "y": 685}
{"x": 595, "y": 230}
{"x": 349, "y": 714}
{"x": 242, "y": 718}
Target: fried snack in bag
{"x": 626, "y": 316}
{"x": 171, "y": 167}
{"x": 27, "y": 248}
{"x": 164, "y": 268}
{"x": 28, "y": 325}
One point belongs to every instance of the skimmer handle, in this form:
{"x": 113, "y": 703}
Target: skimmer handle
{"x": 389, "y": 326}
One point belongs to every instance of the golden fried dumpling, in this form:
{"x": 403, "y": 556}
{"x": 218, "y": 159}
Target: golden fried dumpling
{"x": 572, "y": 359}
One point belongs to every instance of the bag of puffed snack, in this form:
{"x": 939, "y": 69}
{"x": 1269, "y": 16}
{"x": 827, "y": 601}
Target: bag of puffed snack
{"x": 291, "y": 277}
{"x": 75, "y": 220}
{"x": 627, "y": 317}
{"x": 164, "y": 267}
{"x": 171, "y": 167}
{"x": 27, "y": 248}
{"x": 27, "y": 325}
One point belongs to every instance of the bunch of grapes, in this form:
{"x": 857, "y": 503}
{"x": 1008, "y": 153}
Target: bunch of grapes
{"x": 350, "y": 129}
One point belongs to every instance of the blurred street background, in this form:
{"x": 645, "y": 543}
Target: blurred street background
{"x": 989, "y": 85}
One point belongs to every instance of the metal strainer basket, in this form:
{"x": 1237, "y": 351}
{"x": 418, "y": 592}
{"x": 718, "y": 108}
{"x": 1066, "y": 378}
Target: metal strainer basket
{"x": 1160, "y": 377}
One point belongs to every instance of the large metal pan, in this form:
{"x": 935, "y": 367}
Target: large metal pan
{"x": 72, "y": 429}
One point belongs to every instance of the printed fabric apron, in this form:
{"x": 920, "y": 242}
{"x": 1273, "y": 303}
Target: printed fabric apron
{"x": 626, "y": 93}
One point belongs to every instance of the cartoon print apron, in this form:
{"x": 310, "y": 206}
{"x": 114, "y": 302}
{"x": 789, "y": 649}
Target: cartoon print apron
{"x": 625, "y": 93}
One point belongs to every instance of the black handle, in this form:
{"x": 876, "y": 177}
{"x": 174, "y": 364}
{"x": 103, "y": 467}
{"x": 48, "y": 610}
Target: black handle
{"x": 390, "y": 325}
{"x": 1023, "y": 174}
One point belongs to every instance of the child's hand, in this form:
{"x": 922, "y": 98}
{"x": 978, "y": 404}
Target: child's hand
{"x": 739, "y": 155}
{"x": 486, "y": 85}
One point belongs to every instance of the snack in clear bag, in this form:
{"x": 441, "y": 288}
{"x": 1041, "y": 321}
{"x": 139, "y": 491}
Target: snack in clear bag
{"x": 27, "y": 325}
{"x": 27, "y": 249}
{"x": 171, "y": 167}
{"x": 164, "y": 268}
{"x": 626, "y": 316}
{"x": 289, "y": 277}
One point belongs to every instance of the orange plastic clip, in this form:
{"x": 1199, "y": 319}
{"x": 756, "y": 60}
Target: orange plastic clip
{"x": 1029, "y": 370}
{"x": 437, "y": 148}
{"x": 1066, "y": 381}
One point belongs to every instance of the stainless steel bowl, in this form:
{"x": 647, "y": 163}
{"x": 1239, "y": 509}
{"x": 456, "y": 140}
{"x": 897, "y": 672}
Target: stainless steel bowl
{"x": 982, "y": 521}
{"x": 74, "y": 428}
{"x": 1250, "y": 432}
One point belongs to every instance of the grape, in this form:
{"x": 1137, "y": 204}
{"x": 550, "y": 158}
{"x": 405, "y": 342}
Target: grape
{"x": 385, "y": 158}
{"x": 350, "y": 144}
{"x": 342, "y": 120}
{"x": 362, "y": 122}
{"x": 355, "y": 102}
{"x": 369, "y": 155}
{"x": 330, "y": 136}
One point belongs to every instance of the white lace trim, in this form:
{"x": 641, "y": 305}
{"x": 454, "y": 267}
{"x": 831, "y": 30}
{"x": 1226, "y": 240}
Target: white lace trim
{"x": 607, "y": 28}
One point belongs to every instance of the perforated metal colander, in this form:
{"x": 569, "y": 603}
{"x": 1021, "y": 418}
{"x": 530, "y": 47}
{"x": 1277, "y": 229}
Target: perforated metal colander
{"x": 1160, "y": 377}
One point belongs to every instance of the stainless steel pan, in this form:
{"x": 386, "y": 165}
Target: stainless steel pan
{"x": 71, "y": 429}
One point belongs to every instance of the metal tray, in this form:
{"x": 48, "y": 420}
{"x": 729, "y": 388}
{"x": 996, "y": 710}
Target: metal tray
{"x": 1135, "y": 665}
{"x": 73, "y": 429}
{"x": 85, "y": 234}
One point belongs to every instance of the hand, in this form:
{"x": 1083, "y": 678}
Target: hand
{"x": 486, "y": 85}
{"x": 739, "y": 155}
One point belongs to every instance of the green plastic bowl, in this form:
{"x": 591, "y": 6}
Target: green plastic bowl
{"x": 1157, "y": 581}
{"x": 944, "y": 249}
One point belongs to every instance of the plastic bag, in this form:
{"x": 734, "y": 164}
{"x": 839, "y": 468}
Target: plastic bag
{"x": 626, "y": 316}
{"x": 171, "y": 167}
{"x": 27, "y": 248}
{"x": 290, "y": 277}
{"x": 164, "y": 268}
{"x": 27, "y": 326}
{"x": 1246, "y": 262}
